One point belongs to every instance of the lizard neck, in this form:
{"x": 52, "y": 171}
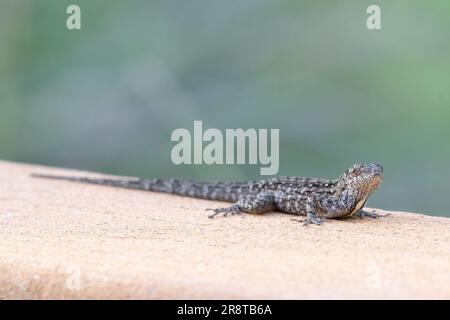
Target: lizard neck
{"x": 349, "y": 196}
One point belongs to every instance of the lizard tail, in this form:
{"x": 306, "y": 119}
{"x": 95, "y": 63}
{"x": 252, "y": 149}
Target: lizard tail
{"x": 122, "y": 183}
{"x": 195, "y": 189}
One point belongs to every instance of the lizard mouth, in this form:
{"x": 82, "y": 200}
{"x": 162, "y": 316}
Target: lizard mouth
{"x": 375, "y": 182}
{"x": 375, "y": 169}
{"x": 378, "y": 177}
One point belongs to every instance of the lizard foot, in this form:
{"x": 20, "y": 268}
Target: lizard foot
{"x": 311, "y": 219}
{"x": 234, "y": 209}
{"x": 372, "y": 214}
{"x": 315, "y": 220}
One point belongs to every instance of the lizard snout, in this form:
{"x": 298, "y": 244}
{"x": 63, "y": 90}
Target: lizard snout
{"x": 375, "y": 169}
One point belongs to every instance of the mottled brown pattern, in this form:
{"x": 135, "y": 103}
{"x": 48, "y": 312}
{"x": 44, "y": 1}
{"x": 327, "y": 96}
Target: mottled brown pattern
{"x": 311, "y": 197}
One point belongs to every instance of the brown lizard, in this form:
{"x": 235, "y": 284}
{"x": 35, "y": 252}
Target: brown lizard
{"x": 314, "y": 198}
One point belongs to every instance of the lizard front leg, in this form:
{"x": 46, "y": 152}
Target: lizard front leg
{"x": 294, "y": 203}
{"x": 372, "y": 214}
{"x": 259, "y": 203}
{"x": 311, "y": 213}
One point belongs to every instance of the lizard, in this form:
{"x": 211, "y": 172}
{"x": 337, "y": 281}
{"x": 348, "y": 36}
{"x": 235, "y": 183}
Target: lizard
{"x": 315, "y": 198}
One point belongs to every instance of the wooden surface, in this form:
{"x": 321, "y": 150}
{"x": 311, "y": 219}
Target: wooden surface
{"x": 67, "y": 240}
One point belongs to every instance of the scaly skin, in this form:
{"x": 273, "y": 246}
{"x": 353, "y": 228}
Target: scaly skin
{"x": 314, "y": 198}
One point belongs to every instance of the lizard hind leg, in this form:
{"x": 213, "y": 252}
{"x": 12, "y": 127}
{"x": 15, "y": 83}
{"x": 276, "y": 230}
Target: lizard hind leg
{"x": 233, "y": 209}
{"x": 259, "y": 203}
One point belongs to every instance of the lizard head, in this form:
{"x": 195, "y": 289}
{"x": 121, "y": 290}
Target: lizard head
{"x": 362, "y": 179}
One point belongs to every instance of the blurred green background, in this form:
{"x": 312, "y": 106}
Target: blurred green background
{"x": 107, "y": 98}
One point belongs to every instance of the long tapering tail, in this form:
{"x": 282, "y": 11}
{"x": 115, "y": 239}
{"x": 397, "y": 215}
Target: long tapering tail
{"x": 196, "y": 189}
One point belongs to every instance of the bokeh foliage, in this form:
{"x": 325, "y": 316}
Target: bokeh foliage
{"x": 107, "y": 98}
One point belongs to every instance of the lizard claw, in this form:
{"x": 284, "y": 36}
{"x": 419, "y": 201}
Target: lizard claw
{"x": 311, "y": 219}
{"x": 316, "y": 221}
{"x": 373, "y": 214}
{"x": 234, "y": 209}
